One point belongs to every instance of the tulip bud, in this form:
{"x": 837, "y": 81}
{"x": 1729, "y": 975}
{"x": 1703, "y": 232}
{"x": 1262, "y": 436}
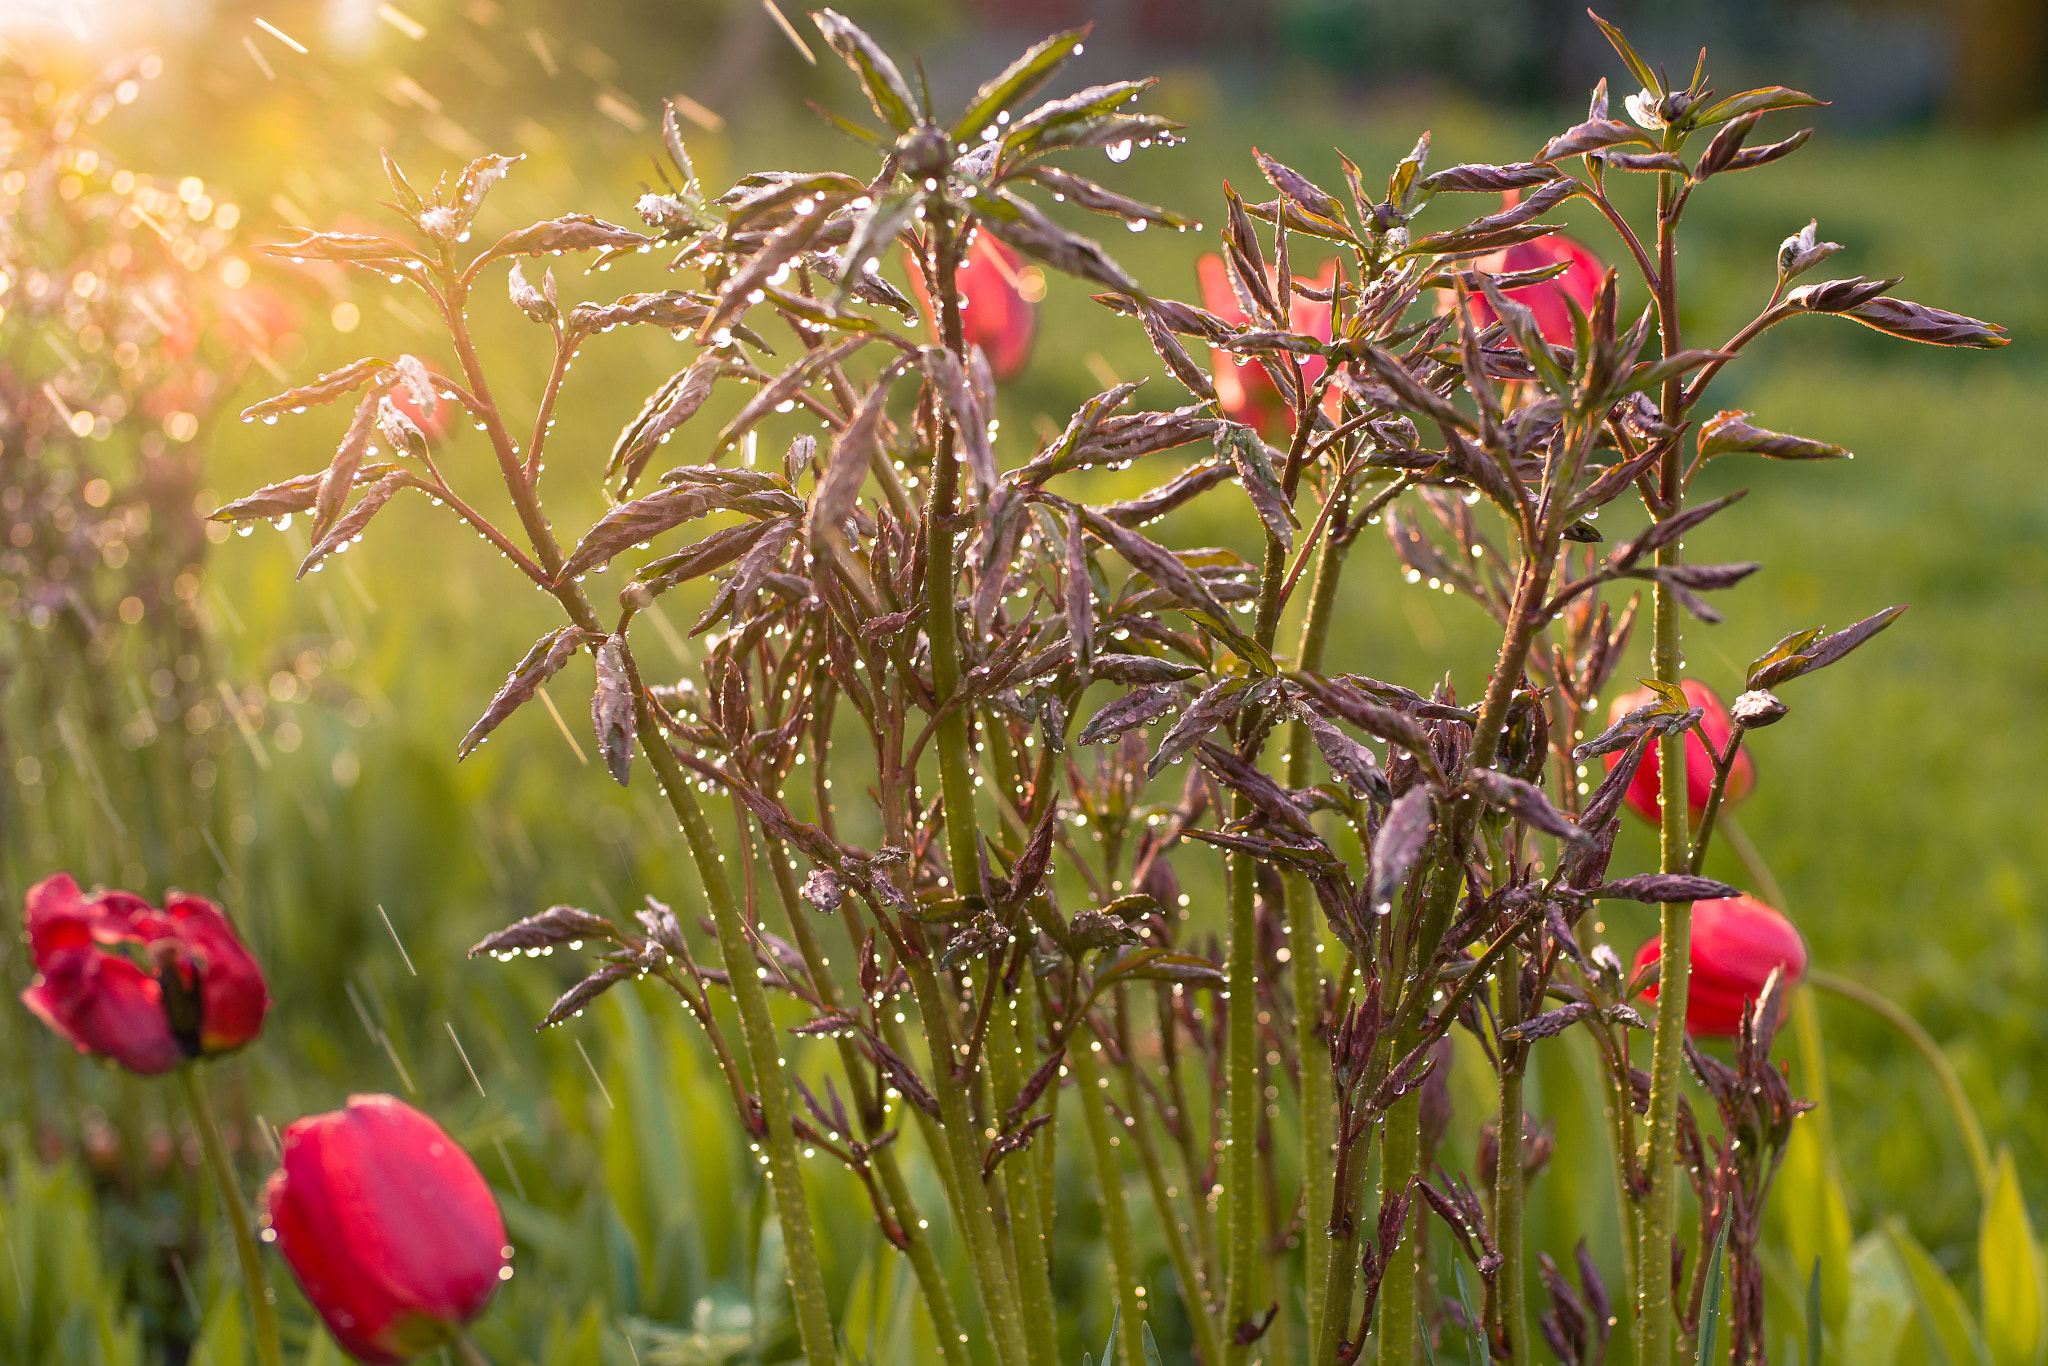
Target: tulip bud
{"x": 1643, "y": 793}
{"x": 1737, "y": 943}
{"x": 389, "y": 1227}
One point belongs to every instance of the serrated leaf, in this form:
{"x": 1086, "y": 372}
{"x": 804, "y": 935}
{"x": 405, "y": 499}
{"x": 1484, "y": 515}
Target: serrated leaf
{"x": 886, "y": 89}
{"x": 1402, "y": 837}
{"x": 1018, "y": 80}
{"x": 611, "y": 710}
{"x": 1752, "y": 102}
{"x": 1128, "y": 712}
{"x": 351, "y": 524}
{"x": 1241, "y": 446}
{"x": 1730, "y": 431}
{"x": 543, "y": 661}
{"x": 329, "y": 387}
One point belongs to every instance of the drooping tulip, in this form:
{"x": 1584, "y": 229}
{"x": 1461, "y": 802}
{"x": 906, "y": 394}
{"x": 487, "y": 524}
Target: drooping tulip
{"x": 1699, "y": 764}
{"x": 1245, "y": 391}
{"x": 1737, "y": 943}
{"x": 998, "y": 309}
{"x": 189, "y": 988}
{"x": 388, "y": 1225}
{"x": 1580, "y": 283}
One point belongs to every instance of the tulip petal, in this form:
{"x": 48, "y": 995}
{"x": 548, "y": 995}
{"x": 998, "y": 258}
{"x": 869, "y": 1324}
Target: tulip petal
{"x": 233, "y": 995}
{"x": 107, "y": 1005}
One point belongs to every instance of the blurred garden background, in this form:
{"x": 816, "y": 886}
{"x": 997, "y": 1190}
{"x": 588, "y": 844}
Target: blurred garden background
{"x": 290, "y": 748}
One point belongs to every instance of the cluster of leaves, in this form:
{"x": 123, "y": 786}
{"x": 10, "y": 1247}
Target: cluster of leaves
{"x": 952, "y": 629}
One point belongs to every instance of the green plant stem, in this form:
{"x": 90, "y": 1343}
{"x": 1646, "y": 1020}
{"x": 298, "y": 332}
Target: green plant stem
{"x": 1008, "y": 1023}
{"x": 973, "y": 1211}
{"x": 1241, "y": 1082}
{"x": 1116, "y": 1219}
{"x": 1509, "y": 1178}
{"x": 1304, "y": 943}
{"x": 1400, "y": 1164}
{"x": 757, "y": 1028}
{"x": 1655, "y": 1315}
{"x": 956, "y": 784}
{"x": 1944, "y": 1070}
{"x": 931, "y": 1278}
{"x": 764, "y": 1050}
{"x": 468, "y": 1353}
{"x": 261, "y": 1311}
{"x": 1199, "y": 1310}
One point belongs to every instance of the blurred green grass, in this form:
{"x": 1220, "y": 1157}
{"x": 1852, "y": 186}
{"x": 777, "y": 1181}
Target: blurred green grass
{"x": 1899, "y": 804}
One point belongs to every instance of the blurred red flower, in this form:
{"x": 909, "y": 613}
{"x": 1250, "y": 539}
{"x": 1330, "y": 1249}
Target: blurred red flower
{"x": 998, "y": 311}
{"x": 198, "y": 992}
{"x": 1243, "y": 388}
{"x": 1580, "y": 283}
{"x": 388, "y": 1225}
{"x": 1737, "y": 943}
{"x": 1699, "y": 765}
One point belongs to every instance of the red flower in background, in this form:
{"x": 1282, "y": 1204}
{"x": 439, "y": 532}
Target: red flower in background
{"x": 995, "y": 312}
{"x": 1737, "y": 943}
{"x": 1243, "y": 388}
{"x": 1580, "y": 283}
{"x": 390, "y": 1228}
{"x": 199, "y": 994}
{"x": 1699, "y": 765}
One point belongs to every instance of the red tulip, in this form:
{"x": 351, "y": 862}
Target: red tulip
{"x": 388, "y": 1225}
{"x": 997, "y": 312}
{"x": 1584, "y": 274}
{"x": 1699, "y": 765}
{"x": 1243, "y": 388}
{"x": 190, "y": 990}
{"x": 1737, "y": 943}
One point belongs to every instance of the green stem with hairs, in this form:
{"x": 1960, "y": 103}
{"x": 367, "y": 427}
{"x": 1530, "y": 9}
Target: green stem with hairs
{"x": 757, "y": 1027}
{"x": 1304, "y": 944}
{"x": 1009, "y": 1024}
{"x": 261, "y": 1311}
{"x": 931, "y": 1278}
{"x": 1208, "y": 1345}
{"x": 1116, "y": 1219}
{"x": 1509, "y": 1178}
{"x": 956, "y": 784}
{"x": 1655, "y": 1315}
{"x": 1401, "y": 1163}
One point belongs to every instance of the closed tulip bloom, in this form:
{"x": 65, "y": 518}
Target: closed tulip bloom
{"x": 1737, "y": 943}
{"x": 146, "y": 987}
{"x": 389, "y": 1227}
{"x": 1643, "y": 792}
{"x": 1244, "y": 390}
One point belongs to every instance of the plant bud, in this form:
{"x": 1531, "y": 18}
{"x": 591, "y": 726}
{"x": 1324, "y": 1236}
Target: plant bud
{"x": 1756, "y": 709}
{"x": 1802, "y": 251}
